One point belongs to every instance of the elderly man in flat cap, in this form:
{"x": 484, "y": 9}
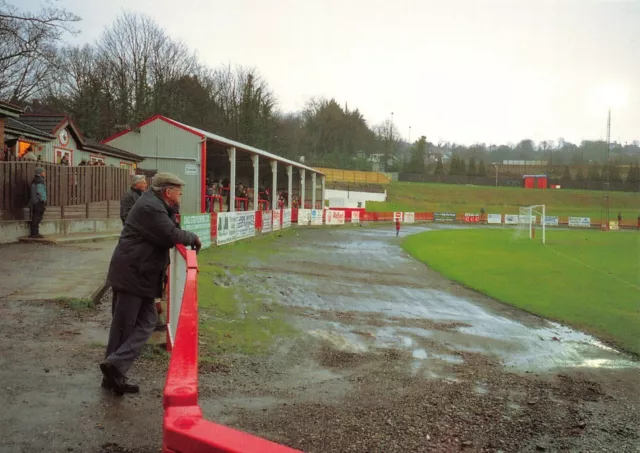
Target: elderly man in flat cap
{"x": 138, "y": 185}
{"x": 136, "y": 276}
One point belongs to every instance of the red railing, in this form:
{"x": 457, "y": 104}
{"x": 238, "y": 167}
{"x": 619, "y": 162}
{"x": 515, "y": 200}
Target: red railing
{"x": 184, "y": 429}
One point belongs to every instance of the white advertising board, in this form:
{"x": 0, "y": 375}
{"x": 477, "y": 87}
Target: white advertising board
{"x": 245, "y": 224}
{"x": 409, "y": 217}
{"x": 233, "y": 226}
{"x": 334, "y": 217}
{"x": 580, "y": 222}
{"x": 226, "y": 228}
{"x": 550, "y": 220}
{"x": 511, "y": 219}
{"x": 276, "y": 219}
{"x": 267, "y": 221}
{"x": 286, "y": 218}
{"x": 355, "y": 216}
{"x": 316, "y": 217}
{"x": 494, "y": 218}
{"x": 397, "y": 216}
{"x": 304, "y": 216}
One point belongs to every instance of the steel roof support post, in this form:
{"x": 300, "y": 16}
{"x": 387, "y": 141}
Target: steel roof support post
{"x": 232, "y": 179}
{"x": 290, "y": 185}
{"x": 324, "y": 181}
{"x": 255, "y": 159}
{"x": 274, "y": 184}
{"x": 313, "y": 190}
{"x": 303, "y": 177}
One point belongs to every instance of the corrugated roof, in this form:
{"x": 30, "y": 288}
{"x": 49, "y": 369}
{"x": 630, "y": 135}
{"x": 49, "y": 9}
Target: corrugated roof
{"x": 20, "y": 128}
{"x": 10, "y": 109}
{"x": 95, "y": 145}
{"x": 243, "y": 147}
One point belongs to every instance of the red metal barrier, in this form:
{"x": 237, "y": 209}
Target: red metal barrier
{"x": 212, "y": 202}
{"x": 258, "y": 221}
{"x": 242, "y": 204}
{"x": 183, "y": 429}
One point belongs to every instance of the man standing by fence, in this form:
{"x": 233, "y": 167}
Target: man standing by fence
{"x": 138, "y": 185}
{"x": 136, "y": 275}
{"x": 38, "y": 201}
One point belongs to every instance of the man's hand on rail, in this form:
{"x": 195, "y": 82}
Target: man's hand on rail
{"x": 196, "y": 244}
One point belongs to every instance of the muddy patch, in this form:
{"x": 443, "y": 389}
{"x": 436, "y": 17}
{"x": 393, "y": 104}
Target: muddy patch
{"x": 391, "y": 357}
{"x": 50, "y": 384}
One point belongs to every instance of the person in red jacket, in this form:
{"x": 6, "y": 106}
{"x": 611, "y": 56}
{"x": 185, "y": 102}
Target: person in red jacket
{"x": 397, "y": 227}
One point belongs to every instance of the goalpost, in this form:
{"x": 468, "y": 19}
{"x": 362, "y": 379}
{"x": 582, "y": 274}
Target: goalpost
{"x": 527, "y": 219}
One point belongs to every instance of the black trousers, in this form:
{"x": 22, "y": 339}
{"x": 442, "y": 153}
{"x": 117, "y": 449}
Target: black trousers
{"x": 37, "y": 212}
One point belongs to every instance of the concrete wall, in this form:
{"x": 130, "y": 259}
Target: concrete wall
{"x": 350, "y": 198}
{"x": 11, "y": 230}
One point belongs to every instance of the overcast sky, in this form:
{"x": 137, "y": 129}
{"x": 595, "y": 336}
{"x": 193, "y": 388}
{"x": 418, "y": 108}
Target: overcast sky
{"x": 457, "y": 70}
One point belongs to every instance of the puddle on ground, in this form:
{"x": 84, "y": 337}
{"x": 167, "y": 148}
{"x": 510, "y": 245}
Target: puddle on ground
{"x": 364, "y": 272}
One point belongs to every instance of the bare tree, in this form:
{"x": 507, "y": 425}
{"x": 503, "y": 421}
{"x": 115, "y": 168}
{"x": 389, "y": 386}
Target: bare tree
{"x": 28, "y": 43}
{"x": 143, "y": 66}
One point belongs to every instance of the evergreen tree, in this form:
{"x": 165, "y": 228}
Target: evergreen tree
{"x": 439, "y": 167}
{"x": 566, "y": 175}
{"x": 594, "y": 172}
{"x": 482, "y": 170}
{"x": 472, "y": 170}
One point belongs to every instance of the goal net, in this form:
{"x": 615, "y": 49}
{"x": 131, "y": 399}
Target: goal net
{"x": 528, "y": 217}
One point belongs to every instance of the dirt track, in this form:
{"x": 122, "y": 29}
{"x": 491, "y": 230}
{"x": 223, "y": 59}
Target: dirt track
{"x": 394, "y": 358}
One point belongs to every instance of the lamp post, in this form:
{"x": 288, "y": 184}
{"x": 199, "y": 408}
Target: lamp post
{"x": 496, "y": 165}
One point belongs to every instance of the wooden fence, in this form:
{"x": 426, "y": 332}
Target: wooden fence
{"x": 72, "y": 192}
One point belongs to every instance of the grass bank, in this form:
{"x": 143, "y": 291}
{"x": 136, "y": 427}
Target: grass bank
{"x": 234, "y": 319}
{"x": 588, "y": 279}
{"x": 432, "y": 197}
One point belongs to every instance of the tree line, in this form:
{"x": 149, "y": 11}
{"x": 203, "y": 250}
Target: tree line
{"x": 135, "y": 70}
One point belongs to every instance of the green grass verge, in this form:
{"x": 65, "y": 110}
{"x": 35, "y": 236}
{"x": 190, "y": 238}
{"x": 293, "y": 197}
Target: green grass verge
{"x": 588, "y": 279}
{"x": 75, "y": 303}
{"x": 232, "y": 318}
{"x": 432, "y": 197}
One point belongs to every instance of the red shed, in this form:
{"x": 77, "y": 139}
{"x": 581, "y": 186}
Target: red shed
{"x": 534, "y": 181}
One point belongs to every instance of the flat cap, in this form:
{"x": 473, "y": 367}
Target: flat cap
{"x": 39, "y": 171}
{"x": 137, "y": 178}
{"x": 166, "y": 179}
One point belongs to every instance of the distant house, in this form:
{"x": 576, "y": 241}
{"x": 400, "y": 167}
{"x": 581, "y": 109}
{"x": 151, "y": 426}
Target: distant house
{"x": 378, "y": 164}
{"x": 56, "y": 139}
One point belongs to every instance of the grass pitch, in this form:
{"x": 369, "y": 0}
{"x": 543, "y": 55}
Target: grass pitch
{"x": 587, "y": 279}
{"x": 431, "y": 197}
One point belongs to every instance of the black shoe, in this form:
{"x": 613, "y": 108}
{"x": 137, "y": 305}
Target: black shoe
{"x": 112, "y": 377}
{"x": 127, "y": 387}
{"x": 160, "y": 328}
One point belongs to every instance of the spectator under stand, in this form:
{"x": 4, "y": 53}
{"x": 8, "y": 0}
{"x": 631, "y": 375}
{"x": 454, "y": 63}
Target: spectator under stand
{"x": 206, "y": 161}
